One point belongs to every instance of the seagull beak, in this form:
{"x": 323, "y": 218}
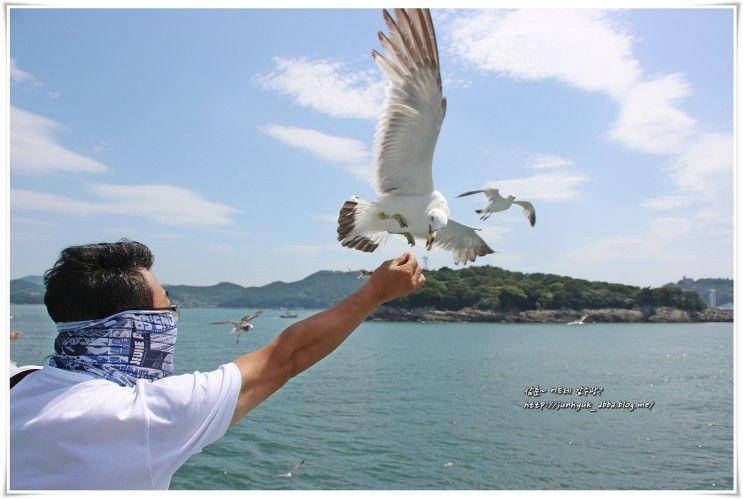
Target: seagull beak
{"x": 430, "y": 237}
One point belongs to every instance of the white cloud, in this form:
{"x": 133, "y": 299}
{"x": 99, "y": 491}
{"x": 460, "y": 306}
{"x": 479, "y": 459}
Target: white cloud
{"x": 583, "y": 48}
{"x": 706, "y": 165}
{"x": 648, "y": 120}
{"x": 165, "y": 204}
{"x": 653, "y": 245}
{"x": 554, "y": 186}
{"x": 547, "y": 162}
{"x": 35, "y": 150}
{"x": 492, "y": 233}
{"x": 702, "y": 174}
{"x": 669, "y": 228}
{"x": 23, "y": 78}
{"x": 668, "y": 248}
{"x": 327, "y": 86}
{"x": 17, "y": 75}
{"x": 351, "y": 154}
{"x": 21, "y": 199}
{"x": 587, "y": 49}
{"x": 668, "y": 202}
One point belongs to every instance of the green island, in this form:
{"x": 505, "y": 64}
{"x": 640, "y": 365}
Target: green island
{"x": 481, "y": 293}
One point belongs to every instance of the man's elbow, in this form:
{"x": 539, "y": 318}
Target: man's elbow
{"x": 297, "y": 363}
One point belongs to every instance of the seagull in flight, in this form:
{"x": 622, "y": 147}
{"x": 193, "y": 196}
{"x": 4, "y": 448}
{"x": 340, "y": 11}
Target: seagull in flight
{"x": 499, "y": 203}
{"x": 405, "y": 138}
{"x": 579, "y": 322}
{"x": 243, "y": 325}
{"x": 291, "y": 472}
{"x": 363, "y": 273}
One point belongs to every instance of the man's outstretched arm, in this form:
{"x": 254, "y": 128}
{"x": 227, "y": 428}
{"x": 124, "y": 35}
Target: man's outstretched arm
{"x": 304, "y": 343}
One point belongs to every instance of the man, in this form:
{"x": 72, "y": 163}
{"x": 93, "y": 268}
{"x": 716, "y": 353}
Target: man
{"x": 103, "y": 413}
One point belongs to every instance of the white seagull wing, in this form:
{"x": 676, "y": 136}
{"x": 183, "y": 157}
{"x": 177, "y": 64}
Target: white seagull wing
{"x": 407, "y": 130}
{"x": 469, "y": 193}
{"x": 492, "y": 194}
{"x": 528, "y": 211}
{"x": 249, "y": 318}
{"x": 461, "y": 240}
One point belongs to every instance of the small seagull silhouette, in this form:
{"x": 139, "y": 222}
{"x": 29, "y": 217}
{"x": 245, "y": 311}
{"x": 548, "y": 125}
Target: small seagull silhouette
{"x": 362, "y": 273}
{"x": 499, "y": 203}
{"x": 243, "y": 325}
{"x": 291, "y": 472}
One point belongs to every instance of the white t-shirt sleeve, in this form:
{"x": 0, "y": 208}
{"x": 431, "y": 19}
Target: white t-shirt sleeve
{"x": 185, "y": 413}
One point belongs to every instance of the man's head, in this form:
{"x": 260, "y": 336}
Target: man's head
{"x": 93, "y": 281}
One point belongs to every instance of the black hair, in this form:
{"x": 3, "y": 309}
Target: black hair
{"x": 94, "y": 281}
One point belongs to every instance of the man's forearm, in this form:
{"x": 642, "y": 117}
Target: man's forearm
{"x": 313, "y": 338}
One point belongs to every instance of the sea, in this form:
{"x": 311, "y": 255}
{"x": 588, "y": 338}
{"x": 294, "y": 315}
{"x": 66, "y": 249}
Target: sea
{"x": 466, "y": 406}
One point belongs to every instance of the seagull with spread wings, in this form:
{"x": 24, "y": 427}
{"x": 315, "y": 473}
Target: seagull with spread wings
{"x": 499, "y": 203}
{"x": 243, "y": 325}
{"x": 404, "y": 142}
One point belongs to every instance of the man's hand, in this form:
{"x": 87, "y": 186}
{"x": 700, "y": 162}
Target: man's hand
{"x": 397, "y": 277}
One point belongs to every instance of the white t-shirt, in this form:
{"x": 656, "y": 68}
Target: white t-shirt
{"x": 69, "y": 430}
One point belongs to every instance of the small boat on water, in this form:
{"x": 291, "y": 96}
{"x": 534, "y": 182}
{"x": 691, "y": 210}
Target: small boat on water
{"x": 288, "y": 315}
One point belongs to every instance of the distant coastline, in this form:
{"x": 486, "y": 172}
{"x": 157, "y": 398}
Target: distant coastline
{"x": 469, "y": 294}
{"x": 659, "y": 314}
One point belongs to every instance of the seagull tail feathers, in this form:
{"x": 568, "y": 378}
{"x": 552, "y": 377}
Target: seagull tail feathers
{"x": 350, "y": 226}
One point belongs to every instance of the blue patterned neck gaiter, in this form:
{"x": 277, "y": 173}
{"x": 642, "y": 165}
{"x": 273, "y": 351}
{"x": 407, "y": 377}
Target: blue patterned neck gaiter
{"x": 125, "y": 347}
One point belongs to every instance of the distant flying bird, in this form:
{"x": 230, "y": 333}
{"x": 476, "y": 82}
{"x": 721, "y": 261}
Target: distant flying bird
{"x": 579, "y": 322}
{"x": 404, "y": 143}
{"x": 362, "y": 273}
{"x": 243, "y": 325}
{"x": 291, "y": 472}
{"x": 499, "y": 203}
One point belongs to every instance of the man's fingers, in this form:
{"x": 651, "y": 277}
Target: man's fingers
{"x": 412, "y": 262}
{"x": 418, "y": 278}
{"x": 402, "y": 259}
{"x": 421, "y": 280}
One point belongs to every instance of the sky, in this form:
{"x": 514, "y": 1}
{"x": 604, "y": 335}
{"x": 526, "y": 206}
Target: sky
{"x": 228, "y": 139}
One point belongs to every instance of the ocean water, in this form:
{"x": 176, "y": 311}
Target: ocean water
{"x": 441, "y": 406}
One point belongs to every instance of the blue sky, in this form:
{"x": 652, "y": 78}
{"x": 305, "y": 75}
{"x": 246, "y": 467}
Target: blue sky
{"x": 227, "y": 140}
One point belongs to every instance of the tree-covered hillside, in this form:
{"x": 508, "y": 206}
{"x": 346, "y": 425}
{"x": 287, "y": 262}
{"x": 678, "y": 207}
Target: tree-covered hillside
{"x": 483, "y": 287}
{"x": 319, "y": 290}
{"x": 496, "y": 289}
